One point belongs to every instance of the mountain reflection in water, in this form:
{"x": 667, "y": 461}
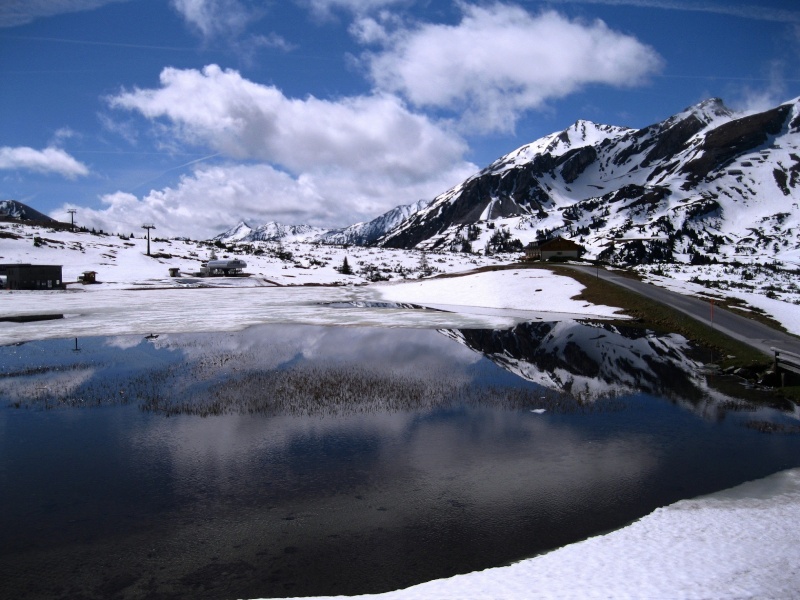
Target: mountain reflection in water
{"x": 275, "y": 370}
{"x": 301, "y": 460}
{"x": 591, "y": 360}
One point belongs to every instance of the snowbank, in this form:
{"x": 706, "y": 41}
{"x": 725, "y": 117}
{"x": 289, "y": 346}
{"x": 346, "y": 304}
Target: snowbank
{"x": 514, "y": 289}
{"x": 739, "y": 543}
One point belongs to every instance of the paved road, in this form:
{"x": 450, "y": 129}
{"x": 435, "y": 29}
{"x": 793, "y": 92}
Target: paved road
{"x": 750, "y": 332}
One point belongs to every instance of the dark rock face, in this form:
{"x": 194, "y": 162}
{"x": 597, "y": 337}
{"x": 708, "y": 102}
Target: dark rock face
{"x": 671, "y": 141}
{"x": 734, "y": 138}
{"x": 511, "y": 193}
{"x": 576, "y": 161}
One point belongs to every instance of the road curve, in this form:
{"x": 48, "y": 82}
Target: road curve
{"x": 747, "y": 331}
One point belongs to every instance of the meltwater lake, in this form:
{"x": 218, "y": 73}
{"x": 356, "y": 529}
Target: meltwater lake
{"x": 295, "y": 460}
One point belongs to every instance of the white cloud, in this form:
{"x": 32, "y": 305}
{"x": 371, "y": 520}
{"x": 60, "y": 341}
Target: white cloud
{"x": 19, "y": 12}
{"x": 322, "y": 162}
{"x": 246, "y": 120}
{"x": 214, "y": 198}
{"x": 500, "y": 61}
{"x": 215, "y": 17}
{"x": 358, "y": 7}
{"x": 270, "y": 40}
{"x": 63, "y": 134}
{"x": 751, "y": 99}
{"x": 49, "y": 160}
{"x": 227, "y": 21}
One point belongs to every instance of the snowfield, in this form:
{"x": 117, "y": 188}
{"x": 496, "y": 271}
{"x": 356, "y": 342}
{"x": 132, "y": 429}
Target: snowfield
{"x": 738, "y": 543}
{"x": 509, "y": 290}
{"x": 173, "y": 310}
{"x": 304, "y": 276}
{"x": 289, "y": 283}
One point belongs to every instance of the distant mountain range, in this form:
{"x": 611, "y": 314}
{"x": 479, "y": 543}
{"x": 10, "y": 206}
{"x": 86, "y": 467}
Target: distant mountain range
{"x": 704, "y": 183}
{"x": 272, "y": 231}
{"x": 360, "y": 234}
{"x": 365, "y": 234}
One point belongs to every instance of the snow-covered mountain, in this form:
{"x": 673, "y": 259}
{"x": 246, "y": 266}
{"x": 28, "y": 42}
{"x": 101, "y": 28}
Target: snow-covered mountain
{"x": 363, "y": 234}
{"x": 270, "y": 232}
{"x": 360, "y": 234}
{"x": 703, "y": 183}
{"x": 12, "y": 209}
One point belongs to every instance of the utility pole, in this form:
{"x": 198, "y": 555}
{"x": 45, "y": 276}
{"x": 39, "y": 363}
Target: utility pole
{"x": 148, "y": 226}
{"x": 712, "y": 313}
{"x": 72, "y": 212}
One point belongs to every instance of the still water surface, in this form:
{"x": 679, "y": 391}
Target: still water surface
{"x": 297, "y": 460}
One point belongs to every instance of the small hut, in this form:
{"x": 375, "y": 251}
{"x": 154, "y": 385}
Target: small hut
{"x": 88, "y": 277}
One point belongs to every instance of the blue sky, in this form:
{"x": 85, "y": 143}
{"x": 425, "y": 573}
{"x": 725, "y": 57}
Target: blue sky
{"x": 194, "y": 114}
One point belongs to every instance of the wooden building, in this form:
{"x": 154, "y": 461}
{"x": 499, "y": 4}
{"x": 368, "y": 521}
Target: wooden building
{"x": 88, "y": 277}
{"x": 34, "y": 277}
{"x": 557, "y": 247}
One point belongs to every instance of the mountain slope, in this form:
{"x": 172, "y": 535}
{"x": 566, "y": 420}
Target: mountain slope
{"x": 12, "y": 209}
{"x": 703, "y": 182}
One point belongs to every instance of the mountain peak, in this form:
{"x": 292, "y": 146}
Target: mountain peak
{"x": 236, "y": 233}
{"x": 707, "y": 111}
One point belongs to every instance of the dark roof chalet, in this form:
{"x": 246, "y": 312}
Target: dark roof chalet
{"x": 555, "y": 244}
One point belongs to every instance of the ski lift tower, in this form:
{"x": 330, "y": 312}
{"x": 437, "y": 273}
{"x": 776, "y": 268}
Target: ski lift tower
{"x": 72, "y": 212}
{"x": 148, "y": 226}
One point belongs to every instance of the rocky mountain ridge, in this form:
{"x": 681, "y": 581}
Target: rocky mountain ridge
{"x": 270, "y": 232}
{"x": 364, "y": 234}
{"x": 702, "y": 184}
{"x": 359, "y": 234}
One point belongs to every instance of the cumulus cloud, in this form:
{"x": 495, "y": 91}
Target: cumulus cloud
{"x": 499, "y": 61}
{"x": 322, "y": 162}
{"x": 19, "y": 12}
{"x": 213, "y": 198}
{"x": 245, "y": 120}
{"x": 49, "y": 160}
